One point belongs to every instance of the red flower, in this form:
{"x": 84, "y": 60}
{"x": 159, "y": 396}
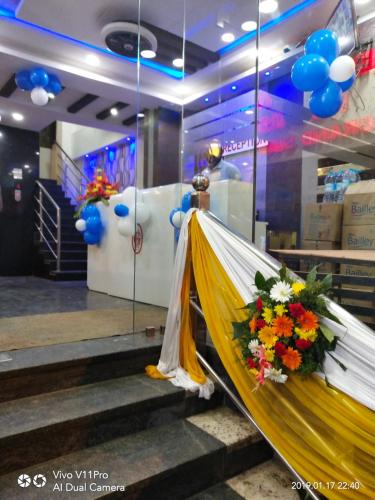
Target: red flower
{"x": 296, "y": 310}
{"x": 280, "y": 349}
{"x": 251, "y": 363}
{"x": 303, "y": 344}
{"x": 259, "y": 304}
{"x": 261, "y": 324}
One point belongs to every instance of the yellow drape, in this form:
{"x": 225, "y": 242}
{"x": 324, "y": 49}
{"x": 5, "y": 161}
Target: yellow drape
{"x": 325, "y": 435}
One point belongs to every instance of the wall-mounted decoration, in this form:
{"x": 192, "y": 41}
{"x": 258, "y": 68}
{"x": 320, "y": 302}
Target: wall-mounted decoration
{"x": 39, "y": 83}
{"x": 324, "y": 73}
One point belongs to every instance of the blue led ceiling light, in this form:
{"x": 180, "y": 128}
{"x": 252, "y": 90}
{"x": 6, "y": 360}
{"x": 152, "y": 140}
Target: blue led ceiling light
{"x": 206, "y": 99}
{"x": 234, "y": 87}
{"x": 174, "y": 73}
{"x": 267, "y": 26}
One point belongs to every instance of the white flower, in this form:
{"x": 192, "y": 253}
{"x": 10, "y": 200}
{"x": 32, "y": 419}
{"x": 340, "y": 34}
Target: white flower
{"x": 254, "y": 347}
{"x": 281, "y": 292}
{"x": 275, "y": 375}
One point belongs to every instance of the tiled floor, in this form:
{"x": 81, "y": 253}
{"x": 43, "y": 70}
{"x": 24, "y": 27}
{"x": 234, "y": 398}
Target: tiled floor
{"x": 26, "y": 295}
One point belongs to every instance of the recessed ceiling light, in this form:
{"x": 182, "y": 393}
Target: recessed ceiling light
{"x": 245, "y": 163}
{"x": 178, "y": 62}
{"x": 1, "y": 134}
{"x": 37, "y": 153}
{"x": 26, "y": 166}
{"x": 206, "y": 99}
{"x": 114, "y": 111}
{"x": 186, "y": 131}
{"x": 148, "y": 54}
{"x": 128, "y": 139}
{"x": 18, "y": 117}
{"x": 232, "y": 142}
{"x": 92, "y": 59}
{"x": 141, "y": 115}
{"x": 268, "y": 6}
{"x": 249, "y": 112}
{"x": 249, "y": 26}
{"x": 86, "y": 156}
{"x": 234, "y": 87}
{"x": 267, "y": 73}
{"x": 50, "y": 95}
{"x": 227, "y": 37}
{"x": 106, "y": 148}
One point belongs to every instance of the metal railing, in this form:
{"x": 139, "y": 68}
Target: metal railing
{"x": 242, "y": 408}
{"x": 71, "y": 178}
{"x": 48, "y": 234}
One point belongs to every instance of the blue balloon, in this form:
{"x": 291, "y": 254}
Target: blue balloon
{"x": 39, "y": 77}
{"x": 348, "y": 84}
{"x": 326, "y": 101}
{"x": 54, "y": 85}
{"x": 94, "y": 225}
{"x": 186, "y": 202}
{"x": 90, "y": 211}
{"x": 325, "y": 43}
{"x": 23, "y": 80}
{"x": 310, "y": 72}
{"x": 121, "y": 210}
{"x": 91, "y": 238}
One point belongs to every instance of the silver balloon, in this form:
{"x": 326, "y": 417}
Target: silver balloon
{"x": 200, "y": 182}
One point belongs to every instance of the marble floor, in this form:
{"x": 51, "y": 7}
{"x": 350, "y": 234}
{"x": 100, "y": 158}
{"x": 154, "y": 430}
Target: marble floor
{"x": 27, "y": 295}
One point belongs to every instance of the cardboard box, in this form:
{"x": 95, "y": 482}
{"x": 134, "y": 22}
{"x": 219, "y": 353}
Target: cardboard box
{"x": 282, "y": 239}
{"x": 358, "y": 237}
{"x": 322, "y": 221}
{"x": 359, "y": 204}
{"x": 324, "y": 267}
{"x": 351, "y": 270}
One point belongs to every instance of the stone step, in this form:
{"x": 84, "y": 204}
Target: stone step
{"x": 38, "y": 428}
{"x": 172, "y": 461}
{"x": 26, "y": 372}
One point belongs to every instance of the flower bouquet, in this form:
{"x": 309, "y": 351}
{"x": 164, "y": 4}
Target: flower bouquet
{"x": 100, "y": 189}
{"x": 284, "y": 332}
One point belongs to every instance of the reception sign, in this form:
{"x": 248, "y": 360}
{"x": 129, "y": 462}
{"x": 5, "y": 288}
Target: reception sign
{"x": 235, "y": 147}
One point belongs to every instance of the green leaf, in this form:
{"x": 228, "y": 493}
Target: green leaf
{"x": 327, "y": 332}
{"x": 311, "y": 277}
{"x": 327, "y": 282}
{"x": 238, "y": 330}
{"x": 260, "y": 281}
{"x": 283, "y": 273}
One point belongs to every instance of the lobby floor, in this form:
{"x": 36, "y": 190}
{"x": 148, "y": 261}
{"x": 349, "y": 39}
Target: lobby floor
{"x": 37, "y": 312}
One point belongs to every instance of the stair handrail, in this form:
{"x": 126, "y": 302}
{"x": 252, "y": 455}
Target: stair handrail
{"x": 242, "y": 408}
{"x": 43, "y": 226}
{"x": 70, "y": 166}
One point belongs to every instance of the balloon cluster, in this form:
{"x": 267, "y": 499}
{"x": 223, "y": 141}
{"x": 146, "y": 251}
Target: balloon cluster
{"x": 90, "y": 225}
{"x": 324, "y": 73}
{"x": 131, "y": 211}
{"x": 40, "y": 83}
{"x": 176, "y": 216}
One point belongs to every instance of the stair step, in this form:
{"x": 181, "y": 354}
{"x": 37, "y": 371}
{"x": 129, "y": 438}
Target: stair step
{"x": 67, "y": 254}
{"x": 173, "y": 460}
{"x": 68, "y": 265}
{"x": 269, "y": 480}
{"x": 50, "y": 368}
{"x": 70, "y": 245}
{"x": 69, "y": 275}
{"x": 42, "y": 427}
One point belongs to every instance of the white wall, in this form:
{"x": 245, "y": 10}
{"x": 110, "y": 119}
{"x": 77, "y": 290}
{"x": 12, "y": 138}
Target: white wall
{"x": 45, "y": 169}
{"x": 78, "y": 140}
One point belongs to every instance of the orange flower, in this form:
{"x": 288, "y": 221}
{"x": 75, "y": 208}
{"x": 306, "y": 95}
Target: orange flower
{"x": 283, "y": 326}
{"x": 291, "y": 359}
{"x": 308, "y": 321}
{"x": 253, "y": 324}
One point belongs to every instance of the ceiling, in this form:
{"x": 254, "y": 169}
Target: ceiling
{"x": 62, "y": 36}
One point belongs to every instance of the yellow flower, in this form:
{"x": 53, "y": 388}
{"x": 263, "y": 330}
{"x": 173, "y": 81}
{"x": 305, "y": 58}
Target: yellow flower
{"x": 267, "y": 336}
{"x": 254, "y": 371}
{"x": 267, "y": 315}
{"x": 280, "y": 310}
{"x": 309, "y": 335}
{"x": 270, "y": 354}
{"x": 297, "y": 288}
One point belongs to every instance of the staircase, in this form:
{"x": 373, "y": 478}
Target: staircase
{"x": 85, "y": 417}
{"x": 73, "y": 263}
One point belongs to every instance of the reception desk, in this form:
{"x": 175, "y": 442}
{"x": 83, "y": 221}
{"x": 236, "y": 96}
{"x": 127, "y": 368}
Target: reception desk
{"x": 141, "y": 268}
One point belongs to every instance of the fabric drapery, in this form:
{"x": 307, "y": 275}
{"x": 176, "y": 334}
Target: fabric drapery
{"x": 328, "y": 437}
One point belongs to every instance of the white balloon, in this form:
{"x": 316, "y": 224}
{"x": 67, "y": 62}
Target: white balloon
{"x": 141, "y": 213}
{"x": 81, "y": 225}
{"x": 178, "y": 218}
{"x": 341, "y": 69}
{"x": 126, "y": 226}
{"x": 129, "y": 196}
{"x": 39, "y": 96}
